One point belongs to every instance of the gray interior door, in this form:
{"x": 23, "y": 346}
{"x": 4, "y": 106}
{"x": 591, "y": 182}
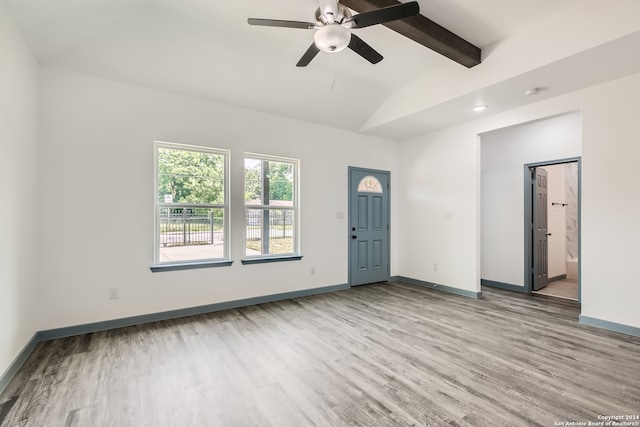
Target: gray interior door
{"x": 540, "y": 231}
{"x": 368, "y": 226}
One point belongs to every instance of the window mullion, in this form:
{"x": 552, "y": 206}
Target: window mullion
{"x": 265, "y": 235}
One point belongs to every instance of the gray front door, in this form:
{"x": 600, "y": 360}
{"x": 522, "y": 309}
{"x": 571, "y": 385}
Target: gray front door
{"x": 540, "y": 230}
{"x": 368, "y": 226}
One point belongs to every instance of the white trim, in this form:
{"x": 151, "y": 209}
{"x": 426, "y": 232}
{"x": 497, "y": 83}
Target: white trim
{"x": 295, "y": 204}
{"x": 225, "y": 206}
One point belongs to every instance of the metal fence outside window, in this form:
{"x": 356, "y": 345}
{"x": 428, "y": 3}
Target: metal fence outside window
{"x": 280, "y": 223}
{"x": 190, "y": 226}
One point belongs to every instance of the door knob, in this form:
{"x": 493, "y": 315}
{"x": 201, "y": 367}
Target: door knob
{"x": 548, "y": 234}
{"x": 354, "y": 236}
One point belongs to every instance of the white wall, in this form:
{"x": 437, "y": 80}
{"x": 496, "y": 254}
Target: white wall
{"x": 441, "y": 171}
{"x": 556, "y": 220}
{"x": 611, "y": 202}
{"x": 503, "y": 156}
{"x": 97, "y": 195}
{"x": 18, "y": 222}
{"x": 439, "y": 207}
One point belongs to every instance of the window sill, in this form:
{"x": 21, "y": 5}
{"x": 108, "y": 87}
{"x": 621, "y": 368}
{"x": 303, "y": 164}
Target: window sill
{"x": 264, "y": 260}
{"x": 190, "y": 265}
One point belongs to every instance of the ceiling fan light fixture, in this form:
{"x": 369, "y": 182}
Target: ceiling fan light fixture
{"x": 332, "y": 38}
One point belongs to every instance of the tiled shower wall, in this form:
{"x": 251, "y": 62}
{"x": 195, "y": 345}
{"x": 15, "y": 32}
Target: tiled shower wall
{"x": 571, "y": 198}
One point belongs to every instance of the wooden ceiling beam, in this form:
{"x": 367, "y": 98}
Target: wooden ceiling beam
{"x": 424, "y": 31}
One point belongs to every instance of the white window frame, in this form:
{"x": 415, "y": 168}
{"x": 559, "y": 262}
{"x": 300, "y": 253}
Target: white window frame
{"x": 225, "y": 206}
{"x": 295, "y": 208}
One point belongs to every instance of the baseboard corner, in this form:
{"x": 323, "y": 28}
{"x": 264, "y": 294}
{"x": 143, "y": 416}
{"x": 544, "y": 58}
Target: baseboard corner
{"x": 19, "y": 360}
{"x": 502, "y": 285}
{"x": 439, "y": 287}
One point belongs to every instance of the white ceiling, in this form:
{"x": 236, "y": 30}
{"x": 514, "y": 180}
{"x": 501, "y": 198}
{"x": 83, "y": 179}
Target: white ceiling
{"x": 205, "y": 48}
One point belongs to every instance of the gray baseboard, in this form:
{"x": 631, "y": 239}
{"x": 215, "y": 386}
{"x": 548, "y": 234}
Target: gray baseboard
{"x": 556, "y": 278}
{"x": 183, "y": 312}
{"x": 7, "y": 376}
{"x": 444, "y": 288}
{"x": 501, "y": 285}
{"x": 611, "y": 326}
{"x": 68, "y": 331}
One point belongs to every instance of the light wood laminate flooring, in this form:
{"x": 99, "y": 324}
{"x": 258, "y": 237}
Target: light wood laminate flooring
{"x": 376, "y": 355}
{"x": 565, "y": 288}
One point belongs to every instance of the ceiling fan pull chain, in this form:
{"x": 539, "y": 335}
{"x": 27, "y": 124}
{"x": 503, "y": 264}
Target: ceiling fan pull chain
{"x": 333, "y": 66}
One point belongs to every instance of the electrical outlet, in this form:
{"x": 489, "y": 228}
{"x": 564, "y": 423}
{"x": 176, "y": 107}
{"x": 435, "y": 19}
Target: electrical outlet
{"x": 313, "y": 271}
{"x": 435, "y": 267}
{"x": 114, "y": 293}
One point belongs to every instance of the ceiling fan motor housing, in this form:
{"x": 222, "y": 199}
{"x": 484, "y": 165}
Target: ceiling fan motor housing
{"x": 333, "y": 13}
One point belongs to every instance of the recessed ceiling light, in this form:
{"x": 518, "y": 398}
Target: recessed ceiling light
{"x": 479, "y": 108}
{"x": 532, "y": 92}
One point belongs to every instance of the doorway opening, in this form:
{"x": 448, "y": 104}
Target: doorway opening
{"x": 552, "y": 228}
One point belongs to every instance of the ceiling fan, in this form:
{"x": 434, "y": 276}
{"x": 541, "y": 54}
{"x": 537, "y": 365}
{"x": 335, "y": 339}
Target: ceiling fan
{"x": 333, "y": 26}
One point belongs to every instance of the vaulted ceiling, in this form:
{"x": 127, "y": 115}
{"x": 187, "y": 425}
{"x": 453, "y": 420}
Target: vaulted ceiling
{"x": 205, "y": 48}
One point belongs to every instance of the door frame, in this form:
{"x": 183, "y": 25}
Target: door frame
{"x": 528, "y": 220}
{"x": 350, "y": 207}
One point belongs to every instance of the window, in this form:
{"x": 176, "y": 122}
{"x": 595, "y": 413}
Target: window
{"x": 271, "y": 206}
{"x": 369, "y": 184}
{"x": 191, "y": 204}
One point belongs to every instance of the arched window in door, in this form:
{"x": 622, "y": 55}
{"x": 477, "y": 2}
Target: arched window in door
{"x": 369, "y": 184}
